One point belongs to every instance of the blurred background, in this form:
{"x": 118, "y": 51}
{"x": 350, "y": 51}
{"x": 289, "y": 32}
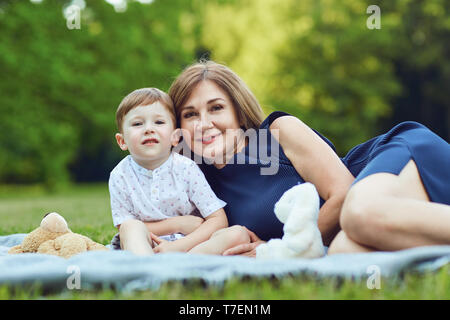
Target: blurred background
{"x": 61, "y": 80}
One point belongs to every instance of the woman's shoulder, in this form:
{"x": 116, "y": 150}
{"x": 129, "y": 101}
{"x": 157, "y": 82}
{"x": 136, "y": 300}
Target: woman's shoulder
{"x": 291, "y": 128}
{"x": 284, "y": 123}
{"x": 274, "y": 117}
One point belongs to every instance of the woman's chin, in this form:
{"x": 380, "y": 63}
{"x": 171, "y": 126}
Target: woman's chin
{"x": 211, "y": 157}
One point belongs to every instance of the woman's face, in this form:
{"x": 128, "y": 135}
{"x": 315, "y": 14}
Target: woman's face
{"x": 210, "y": 124}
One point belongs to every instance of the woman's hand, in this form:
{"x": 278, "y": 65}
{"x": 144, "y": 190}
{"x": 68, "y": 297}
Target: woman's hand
{"x": 247, "y": 249}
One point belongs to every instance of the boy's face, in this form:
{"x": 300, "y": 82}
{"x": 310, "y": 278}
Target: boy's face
{"x": 148, "y": 133}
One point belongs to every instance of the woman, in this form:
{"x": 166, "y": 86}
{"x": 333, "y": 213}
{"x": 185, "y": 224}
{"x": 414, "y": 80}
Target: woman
{"x": 398, "y": 200}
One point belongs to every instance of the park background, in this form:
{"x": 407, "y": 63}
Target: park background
{"x": 60, "y": 86}
{"x": 317, "y": 60}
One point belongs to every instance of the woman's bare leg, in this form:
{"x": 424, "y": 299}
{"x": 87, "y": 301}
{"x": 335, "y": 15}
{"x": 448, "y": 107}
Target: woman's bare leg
{"x": 343, "y": 244}
{"x": 134, "y": 237}
{"x": 389, "y": 212}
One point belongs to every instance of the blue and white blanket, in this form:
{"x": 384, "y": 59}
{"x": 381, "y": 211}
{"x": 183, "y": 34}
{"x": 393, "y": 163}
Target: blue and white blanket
{"x": 126, "y": 271}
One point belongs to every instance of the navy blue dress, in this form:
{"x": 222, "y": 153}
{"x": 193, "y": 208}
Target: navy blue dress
{"x": 251, "y": 196}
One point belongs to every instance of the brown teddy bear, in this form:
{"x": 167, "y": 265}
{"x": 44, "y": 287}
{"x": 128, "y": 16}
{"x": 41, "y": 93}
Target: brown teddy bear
{"x": 54, "y": 237}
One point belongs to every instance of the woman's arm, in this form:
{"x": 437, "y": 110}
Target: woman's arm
{"x": 212, "y": 223}
{"x": 317, "y": 163}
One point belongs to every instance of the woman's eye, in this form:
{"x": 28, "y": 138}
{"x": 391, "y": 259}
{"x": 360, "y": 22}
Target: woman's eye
{"x": 188, "y": 115}
{"x": 216, "y": 107}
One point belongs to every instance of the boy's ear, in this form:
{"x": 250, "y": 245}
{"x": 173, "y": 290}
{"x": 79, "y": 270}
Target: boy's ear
{"x": 121, "y": 141}
{"x": 175, "y": 137}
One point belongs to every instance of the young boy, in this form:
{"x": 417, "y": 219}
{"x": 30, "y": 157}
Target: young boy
{"x": 155, "y": 192}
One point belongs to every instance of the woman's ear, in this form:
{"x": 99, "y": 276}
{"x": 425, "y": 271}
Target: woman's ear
{"x": 175, "y": 137}
{"x": 121, "y": 141}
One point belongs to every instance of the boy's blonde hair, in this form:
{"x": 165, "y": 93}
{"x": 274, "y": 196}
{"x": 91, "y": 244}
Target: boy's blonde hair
{"x": 143, "y": 97}
{"x": 248, "y": 110}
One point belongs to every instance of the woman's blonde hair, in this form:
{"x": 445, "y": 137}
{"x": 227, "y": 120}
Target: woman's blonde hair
{"x": 248, "y": 110}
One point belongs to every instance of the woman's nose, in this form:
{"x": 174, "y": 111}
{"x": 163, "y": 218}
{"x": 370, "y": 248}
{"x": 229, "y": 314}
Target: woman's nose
{"x": 204, "y": 123}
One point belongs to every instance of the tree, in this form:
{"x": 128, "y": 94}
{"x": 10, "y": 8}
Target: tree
{"x": 318, "y": 60}
{"x": 62, "y": 86}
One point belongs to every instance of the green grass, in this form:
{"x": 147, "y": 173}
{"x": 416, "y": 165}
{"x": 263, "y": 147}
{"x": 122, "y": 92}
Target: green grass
{"x": 86, "y": 209}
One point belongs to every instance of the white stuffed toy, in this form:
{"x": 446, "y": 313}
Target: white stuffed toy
{"x": 298, "y": 209}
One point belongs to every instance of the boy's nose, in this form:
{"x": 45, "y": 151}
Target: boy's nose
{"x": 149, "y": 129}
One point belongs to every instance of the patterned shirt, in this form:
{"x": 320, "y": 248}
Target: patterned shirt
{"x": 177, "y": 187}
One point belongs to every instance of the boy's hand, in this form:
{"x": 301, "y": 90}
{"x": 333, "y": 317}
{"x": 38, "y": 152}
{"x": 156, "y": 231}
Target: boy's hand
{"x": 187, "y": 224}
{"x": 163, "y": 246}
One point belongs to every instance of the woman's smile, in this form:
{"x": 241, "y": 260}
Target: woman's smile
{"x": 209, "y": 139}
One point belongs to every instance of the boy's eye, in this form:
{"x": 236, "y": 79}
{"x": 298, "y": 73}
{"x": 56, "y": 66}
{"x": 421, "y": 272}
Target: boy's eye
{"x": 137, "y": 123}
{"x": 160, "y": 122}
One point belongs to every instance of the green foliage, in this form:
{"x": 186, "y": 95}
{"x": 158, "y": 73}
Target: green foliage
{"x": 61, "y": 87}
{"x": 319, "y": 61}
{"x": 315, "y": 59}
{"x": 423, "y": 62}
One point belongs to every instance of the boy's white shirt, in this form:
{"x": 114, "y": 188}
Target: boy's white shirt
{"x": 177, "y": 187}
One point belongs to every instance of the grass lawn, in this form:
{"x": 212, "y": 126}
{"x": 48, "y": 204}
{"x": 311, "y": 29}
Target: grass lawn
{"x": 86, "y": 209}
